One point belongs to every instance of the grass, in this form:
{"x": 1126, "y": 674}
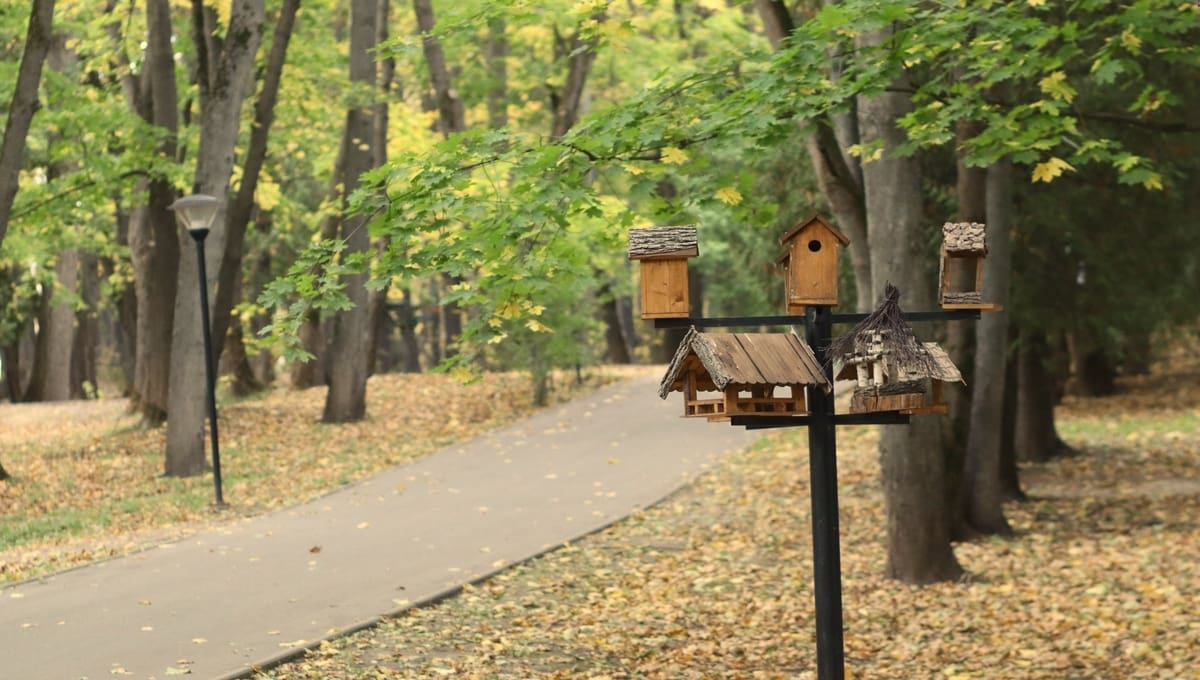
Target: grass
{"x": 87, "y": 480}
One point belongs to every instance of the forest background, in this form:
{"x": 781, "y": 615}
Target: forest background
{"x": 411, "y": 186}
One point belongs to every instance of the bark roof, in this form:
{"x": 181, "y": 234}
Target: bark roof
{"x": 745, "y": 359}
{"x": 663, "y": 242}
{"x": 964, "y": 238}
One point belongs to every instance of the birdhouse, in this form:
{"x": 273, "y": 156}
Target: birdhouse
{"x": 664, "y": 252}
{"x": 810, "y": 262}
{"x": 882, "y": 384}
{"x": 892, "y": 370}
{"x": 961, "y": 279}
{"x": 728, "y": 374}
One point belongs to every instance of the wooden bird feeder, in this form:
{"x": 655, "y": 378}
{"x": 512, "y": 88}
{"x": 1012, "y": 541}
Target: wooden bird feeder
{"x": 914, "y": 388}
{"x": 664, "y": 252}
{"x": 964, "y": 248}
{"x": 893, "y": 371}
{"x": 760, "y": 374}
{"x": 810, "y": 262}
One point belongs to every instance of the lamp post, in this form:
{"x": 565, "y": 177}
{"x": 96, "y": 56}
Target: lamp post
{"x": 196, "y": 214}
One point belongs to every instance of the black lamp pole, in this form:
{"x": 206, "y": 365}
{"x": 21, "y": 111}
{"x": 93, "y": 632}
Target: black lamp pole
{"x": 198, "y": 236}
{"x": 196, "y": 213}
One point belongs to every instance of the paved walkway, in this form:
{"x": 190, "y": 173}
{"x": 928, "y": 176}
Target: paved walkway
{"x": 218, "y": 602}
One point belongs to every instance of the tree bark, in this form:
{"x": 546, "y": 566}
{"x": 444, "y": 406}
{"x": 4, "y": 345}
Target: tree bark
{"x": 971, "y": 191}
{"x": 224, "y": 76}
{"x": 23, "y": 105}
{"x": 918, "y": 527}
{"x": 1009, "y": 472}
{"x": 51, "y": 380}
{"x": 240, "y": 212}
{"x": 497, "y": 62}
{"x": 87, "y": 330}
{"x": 1035, "y": 437}
{"x": 153, "y": 235}
{"x": 346, "y": 400}
{"x": 408, "y": 333}
{"x": 983, "y": 490}
{"x": 377, "y": 316}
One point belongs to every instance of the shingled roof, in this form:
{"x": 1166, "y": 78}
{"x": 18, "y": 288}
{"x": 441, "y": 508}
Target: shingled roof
{"x": 662, "y": 242}
{"x": 745, "y": 359}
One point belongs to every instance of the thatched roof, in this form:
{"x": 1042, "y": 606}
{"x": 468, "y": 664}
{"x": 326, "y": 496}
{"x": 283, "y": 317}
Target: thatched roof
{"x": 964, "y": 238}
{"x": 888, "y": 319}
{"x": 937, "y": 366}
{"x": 663, "y": 242}
{"x": 744, "y": 359}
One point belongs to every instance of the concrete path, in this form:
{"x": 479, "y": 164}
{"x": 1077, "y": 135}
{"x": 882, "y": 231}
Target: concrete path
{"x": 218, "y": 602}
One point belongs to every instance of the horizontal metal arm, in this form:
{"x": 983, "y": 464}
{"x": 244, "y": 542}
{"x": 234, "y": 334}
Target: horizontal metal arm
{"x": 800, "y": 320}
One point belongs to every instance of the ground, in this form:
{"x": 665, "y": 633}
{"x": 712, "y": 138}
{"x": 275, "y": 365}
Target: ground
{"x": 1100, "y": 581}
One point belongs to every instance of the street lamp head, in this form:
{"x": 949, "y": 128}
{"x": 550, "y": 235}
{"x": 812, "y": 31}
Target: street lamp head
{"x": 196, "y": 213}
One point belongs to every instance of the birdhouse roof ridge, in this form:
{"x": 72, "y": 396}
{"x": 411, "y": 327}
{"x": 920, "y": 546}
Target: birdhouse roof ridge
{"x": 815, "y": 218}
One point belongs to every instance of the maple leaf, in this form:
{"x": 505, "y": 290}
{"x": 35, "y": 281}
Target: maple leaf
{"x": 1046, "y": 172}
{"x": 729, "y": 195}
{"x": 674, "y": 156}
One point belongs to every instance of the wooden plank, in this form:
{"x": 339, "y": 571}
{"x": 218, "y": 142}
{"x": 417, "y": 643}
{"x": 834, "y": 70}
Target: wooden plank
{"x": 981, "y": 306}
{"x": 665, "y": 289}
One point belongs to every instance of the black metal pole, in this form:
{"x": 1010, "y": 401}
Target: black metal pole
{"x": 210, "y": 372}
{"x": 822, "y": 461}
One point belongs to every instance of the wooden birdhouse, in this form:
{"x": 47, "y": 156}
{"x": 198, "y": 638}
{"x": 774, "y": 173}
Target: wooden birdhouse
{"x": 964, "y": 248}
{"x": 743, "y": 374}
{"x": 892, "y": 370}
{"x": 664, "y": 252}
{"x": 810, "y": 262}
{"x": 883, "y": 384}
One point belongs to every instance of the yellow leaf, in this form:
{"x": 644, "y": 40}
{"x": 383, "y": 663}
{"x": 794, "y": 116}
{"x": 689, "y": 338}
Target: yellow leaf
{"x": 729, "y": 195}
{"x": 537, "y": 326}
{"x": 1154, "y": 182}
{"x": 674, "y": 156}
{"x": 1046, "y": 172}
{"x": 1036, "y": 3}
{"x": 1130, "y": 40}
{"x": 497, "y": 339}
{"x": 1056, "y": 86}
{"x": 632, "y": 169}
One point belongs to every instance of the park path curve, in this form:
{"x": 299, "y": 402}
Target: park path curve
{"x": 220, "y": 601}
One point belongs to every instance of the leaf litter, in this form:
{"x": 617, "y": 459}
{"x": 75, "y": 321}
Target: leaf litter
{"x": 87, "y": 479}
{"x": 1100, "y": 581}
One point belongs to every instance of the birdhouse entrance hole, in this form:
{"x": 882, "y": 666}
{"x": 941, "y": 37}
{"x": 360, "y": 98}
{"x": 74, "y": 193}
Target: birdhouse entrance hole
{"x": 814, "y": 246}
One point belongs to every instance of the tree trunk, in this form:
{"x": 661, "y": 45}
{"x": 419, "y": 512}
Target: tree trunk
{"x": 236, "y": 363}
{"x": 971, "y": 190}
{"x": 1035, "y": 437}
{"x": 918, "y": 526}
{"x": 224, "y": 77}
{"x": 377, "y": 316}
{"x": 1009, "y": 472}
{"x": 56, "y": 334}
{"x": 983, "y": 490}
{"x": 240, "y": 212}
{"x": 408, "y": 334}
{"x": 346, "y": 400}
{"x": 616, "y": 347}
{"x": 87, "y": 331}
{"x": 497, "y": 62}
{"x": 23, "y": 105}
{"x": 153, "y": 235}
